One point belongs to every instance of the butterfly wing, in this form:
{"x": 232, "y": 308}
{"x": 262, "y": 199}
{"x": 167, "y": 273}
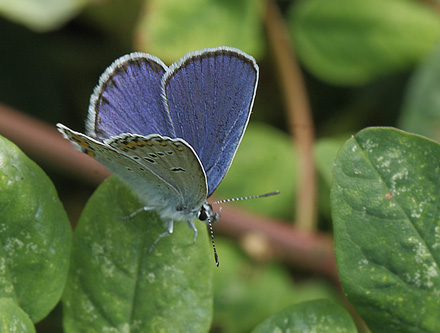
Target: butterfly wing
{"x": 172, "y": 160}
{"x": 128, "y": 99}
{"x": 164, "y": 173}
{"x": 209, "y": 95}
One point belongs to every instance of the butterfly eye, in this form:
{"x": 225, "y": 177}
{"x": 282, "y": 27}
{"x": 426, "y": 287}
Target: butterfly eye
{"x": 203, "y": 215}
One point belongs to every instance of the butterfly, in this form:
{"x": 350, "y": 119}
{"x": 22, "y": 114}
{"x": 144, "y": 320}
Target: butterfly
{"x": 171, "y": 133}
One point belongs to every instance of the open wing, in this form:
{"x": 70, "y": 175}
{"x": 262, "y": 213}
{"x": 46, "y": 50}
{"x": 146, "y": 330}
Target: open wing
{"x": 209, "y": 95}
{"x": 128, "y": 99}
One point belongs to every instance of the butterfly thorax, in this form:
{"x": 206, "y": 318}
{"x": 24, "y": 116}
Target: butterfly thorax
{"x": 177, "y": 213}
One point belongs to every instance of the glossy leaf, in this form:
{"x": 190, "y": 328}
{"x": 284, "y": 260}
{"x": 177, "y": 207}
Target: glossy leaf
{"x": 13, "y": 318}
{"x": 387, "y": 231}
{"x": 170, "y": 28}
{"x": 354, "y": 41}
{"x": 312, "y": 316}
{"x": 35, "y": 235}
{"x": 116, "y": 285}
{"x": 41, "y": 15}
{"x": 421, "y": 108}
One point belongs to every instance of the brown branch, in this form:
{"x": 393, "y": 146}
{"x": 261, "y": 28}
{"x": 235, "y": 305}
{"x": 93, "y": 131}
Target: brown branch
{"x": 435, "y": 5}
{"x": 299, "y": 115}
{"x": 46, "y": 144}
{"x": 310, "y": 251}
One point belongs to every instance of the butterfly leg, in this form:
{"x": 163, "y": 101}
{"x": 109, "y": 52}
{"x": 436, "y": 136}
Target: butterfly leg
{"x": 193, "y": 227}
{"x": 137, "y": 211}
{"x": 170, "y": 226}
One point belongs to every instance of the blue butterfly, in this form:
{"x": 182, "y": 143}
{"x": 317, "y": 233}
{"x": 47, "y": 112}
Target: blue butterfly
{"x": 171, "y": 133}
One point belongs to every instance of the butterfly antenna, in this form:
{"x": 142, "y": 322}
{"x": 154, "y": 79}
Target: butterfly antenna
{"x": 213, "y": 244}
{"x": 246, "y": 198}
{"x": 218, "y": 215}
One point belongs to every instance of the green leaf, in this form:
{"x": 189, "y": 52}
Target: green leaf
{"x": 265, "y": 162}
{"x": 354, "y": 41}
{"x": 385, "y": 199}
{"x": 312, "y": 316}
{"x": 421, "y": 107}
{"x": 245, "y": 291}
{"x": 35, "y": 235}
{"x": 115, "y": 284}
{"x": 171, "y": 28}
{"x": 41, "y": 15}
{"x": 13, "y": 318}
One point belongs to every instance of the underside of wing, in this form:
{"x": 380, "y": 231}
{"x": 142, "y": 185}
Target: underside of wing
{"x": 133, "y": 165}
{"x": 172, "y": 160}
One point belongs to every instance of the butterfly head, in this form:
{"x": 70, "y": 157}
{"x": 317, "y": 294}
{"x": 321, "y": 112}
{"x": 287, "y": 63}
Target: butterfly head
{"x": 207, "y": 215}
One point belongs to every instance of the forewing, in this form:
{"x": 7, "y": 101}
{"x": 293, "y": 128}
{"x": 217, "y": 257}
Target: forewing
{"x": 128, "y": 99}
{"x": 209, "y": 95}
{"x": 153, "y": 183}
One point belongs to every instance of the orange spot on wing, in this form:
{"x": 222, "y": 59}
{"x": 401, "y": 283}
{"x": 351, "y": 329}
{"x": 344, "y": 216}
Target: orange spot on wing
{"x": 90, "y": 153}
{"x": 84, "y": 144}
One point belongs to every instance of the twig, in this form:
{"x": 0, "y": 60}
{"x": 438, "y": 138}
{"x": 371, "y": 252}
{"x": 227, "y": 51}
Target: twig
{"x": 300, "y": 119}
{"x": 46, "y": 144}
{"x": 312, "y": 252}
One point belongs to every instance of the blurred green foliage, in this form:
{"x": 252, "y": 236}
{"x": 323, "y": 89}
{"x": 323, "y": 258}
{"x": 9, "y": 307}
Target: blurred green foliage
{"x": 313, "y": 316}
{"x": 265, "y": 162}
{"x": 421, "y": 106}
{"x": 245, "y": 292}
{"x": 42, "y": 15}
{"x": 353, "y": 41}
{"x": 365, "y": 63}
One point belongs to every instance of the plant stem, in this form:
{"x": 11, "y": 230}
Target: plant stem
{"x": 299, "y": 116}
{"x": 310, "y": 251}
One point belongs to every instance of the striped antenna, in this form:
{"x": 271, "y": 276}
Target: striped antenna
{"x": 218, "y": 215}
{"x": 213, "y": 244}
{"x": 246, "y": 198}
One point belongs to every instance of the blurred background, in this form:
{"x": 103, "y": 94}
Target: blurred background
{"x": 327, "y": 70}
